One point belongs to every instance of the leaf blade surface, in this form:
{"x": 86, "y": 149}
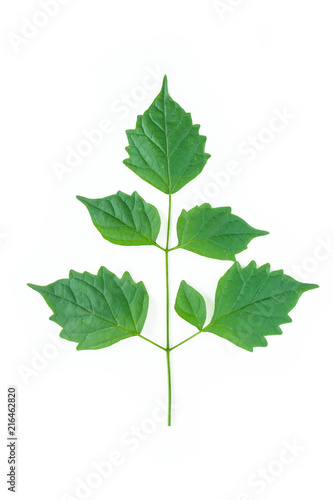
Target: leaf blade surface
{"x": 190, "y": 305}
{"x": 124, "y": 219}
{"x": 165, "y": 149}
{"x": 214, "y": 232}
{"x": 96, "y": 311}
{"x": 251, "y": 303}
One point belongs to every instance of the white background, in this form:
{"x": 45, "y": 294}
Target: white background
{"x": 235, "y": 410}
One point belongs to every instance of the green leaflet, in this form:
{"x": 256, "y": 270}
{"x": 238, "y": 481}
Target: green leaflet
{"x": 214, "y": 232}
{"x": 96, "y": 311}
{"x": 252, "y": 302}
{"x": 124, "y": 219}
{"x": 165, "y": 149}
{"x": 190, "y": 305}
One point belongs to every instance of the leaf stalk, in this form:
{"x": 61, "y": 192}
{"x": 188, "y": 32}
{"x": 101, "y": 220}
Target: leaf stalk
{"x": 181, "y": 343}
{"x": 151, "y": 342}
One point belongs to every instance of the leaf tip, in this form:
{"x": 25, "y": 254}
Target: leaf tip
{"x": 72, "y": 274}
{"x": 311, "y": 286}
{"x": 126, "y": 275}
{"x": 165, "y": 84}
{"x": 82, "y": 199}
{"x": 34, "y": 287}
{"x": 262, "y": 233}
{"x": 102, "y": 270}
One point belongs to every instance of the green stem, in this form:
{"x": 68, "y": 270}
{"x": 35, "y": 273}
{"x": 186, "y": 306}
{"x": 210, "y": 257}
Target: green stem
{"x": 168, "y": 311}
{"x": 169, "y": 386}
{"x": 181, "y": 343}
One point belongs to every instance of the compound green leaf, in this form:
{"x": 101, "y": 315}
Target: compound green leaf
{"x": 214, "y": 232}
{"x": 96, "y": 311}
{"x": 251, "y": 303}
{"x": 165, "y": 149}
{"x": 190, "y": 305}
{"x": 124, "y": 219}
